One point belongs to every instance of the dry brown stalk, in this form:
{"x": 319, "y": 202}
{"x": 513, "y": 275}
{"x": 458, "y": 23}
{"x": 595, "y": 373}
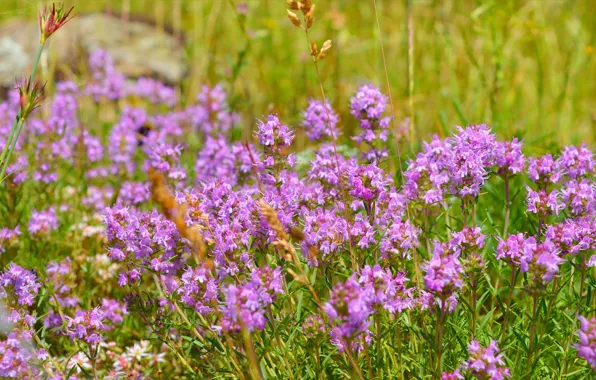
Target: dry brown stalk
{"x": 285, "y": 248}
{"x": 176, "y": 214}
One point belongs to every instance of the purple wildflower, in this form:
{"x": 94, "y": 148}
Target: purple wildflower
{"x": 543, "y": 203}
{"x": 86, "y": 325}
{"x": 486, "y": 362}
{"x": 514, "y": 250}
{"x": 386, "y": 290}
{"x": 349, "y": 310}
{"x": 580, "y": 196}
{"x": 400, "y": 239}
{"x": 368, "y": 106}
{"x": 586, "y": 347}
{"x": 246, "y": 305}
{"x": 325, "y": 232}
{"x": 576, "y": 162}
{"x": 211, "y": 114}
{"x": 42, "y": 223}
{"x": 198, "y": 289}
{"x": 320, "y": 121}
{"x": 508, "y": 157}
{"x": 22, "y": 284}
{"x": 9, "y": 238}
{"x": 443, "y": 272}
{"x": 543, "y": 170}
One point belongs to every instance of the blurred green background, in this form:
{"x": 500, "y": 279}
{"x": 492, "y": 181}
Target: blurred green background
{"x": 525, "y": 67}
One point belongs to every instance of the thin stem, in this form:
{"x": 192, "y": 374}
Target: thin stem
{"x": 249, "y": 347}
{"x": 410, "y": 29}
{"x": 355, "y": 365}
{"x": 36, "y": 62}
{"x": 474, "y": 301}
{"x": 507, "y": 209}
{"x": 378, "y": 328}
{"x": 508, "y": 306}
{"x": 532, "y": 331}
{"x": 581, "y": 284}
{"x": 17, "y": 125}
{"x": 440, "y": 332}
{"x": 13, "y": 144}
{"x": 334, "y": 143}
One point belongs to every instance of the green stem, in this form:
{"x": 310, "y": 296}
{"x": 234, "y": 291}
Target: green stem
{"x": 508, "y": 308}
{"x": 18, "y": 123}
{"x": 11, "y": 147}
{"x": 36, "y": 62}
{"x": 474, "y": 302}
{"x": 440, "y": 332}
{"x": 581, "y": 285}
{"x": 507, "y": 209}
{"x": 532, "y": 333}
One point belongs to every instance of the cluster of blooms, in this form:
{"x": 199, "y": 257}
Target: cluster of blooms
{"x": 468, "y": 244}
{"x": 211, "y": 115}
{"x": 43, "y": 222}
{"x": 198, "y": 289}
{"x": 386, "y": 290}
{"x": 86, "y": 325}
{"x": 320, "y": 121}
{"x": 349, "y": 309}
{"x": 541, "y": 260}
{"x": 325, "y": 232}
{"x": 143, "y": 239}
{"x": 368, "y": 106}
{"x": 108, "y": 83}
{"x": 573, "y": 236}
{"x": 576, "y": 162}
{"x": 18, "y": 289}
{"x": 246, "y": 305}
{"x": 508, "y": 158}
{"x": 543, "y": 203}
{"x": 443, "y": 274}
{"x": 543, "y": 170}
{"x": 155, "y": 91}
{"x": 354, "y": 301}
{"x": 9, "y": 237}
{"x": 579, "y": 196}
{"x": 275, "y": 138}
{"x": 17, "y": 357}
{"x": 166, "y": 159}
{"x": 458, "y": 166}
{"x": 483, "y": 363}
{"x": 586, "y": 347}
{"x": 332, "y": 205}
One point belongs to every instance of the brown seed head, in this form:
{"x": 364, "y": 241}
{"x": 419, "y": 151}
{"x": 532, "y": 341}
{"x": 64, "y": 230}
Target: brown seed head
{"x": 294, "y": 18}
{"x": 293, "y": 4}
{"x": 306, "y": 6}
{"x": 310, "y": 17}
{"x": 296, "y": 234}
{"x": 313, "y": 49}
{"x": 326, "y": 47}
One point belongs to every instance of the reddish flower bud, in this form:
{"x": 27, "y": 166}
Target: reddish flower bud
{"x": 52, "y": 19}
{"x": 30, "y": 96}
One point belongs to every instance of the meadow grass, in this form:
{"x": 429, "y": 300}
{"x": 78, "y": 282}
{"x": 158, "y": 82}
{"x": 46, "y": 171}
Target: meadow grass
{"x": 521, "y": 66}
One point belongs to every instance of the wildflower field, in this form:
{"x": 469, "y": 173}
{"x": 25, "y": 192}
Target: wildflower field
{"x": 334, "y": 189}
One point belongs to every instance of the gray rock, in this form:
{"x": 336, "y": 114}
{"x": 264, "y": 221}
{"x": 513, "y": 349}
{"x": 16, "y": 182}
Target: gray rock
{"x": 137, "y": 48}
